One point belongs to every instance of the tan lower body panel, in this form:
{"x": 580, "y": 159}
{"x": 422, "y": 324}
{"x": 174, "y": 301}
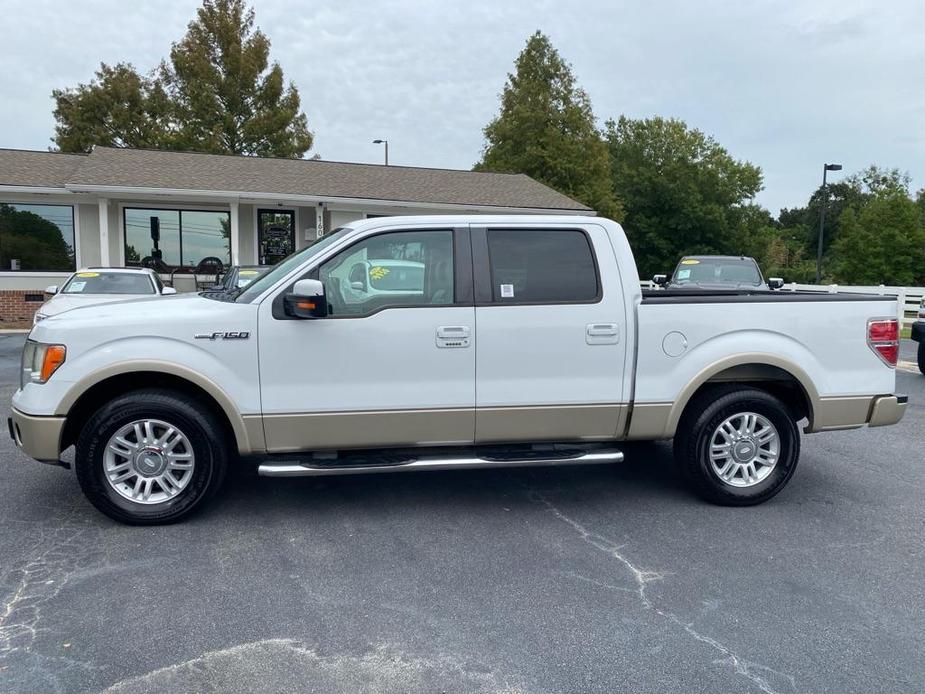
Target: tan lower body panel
{"x": 841, "y": 413}
{"x": 39, "y": 437}
{"x": 339, "y": 430}
{"x": 649, "y": 421}
{"x": 652, "y": 420}
{"x": 333, "y": 430}
{"x": 549, "y": 423}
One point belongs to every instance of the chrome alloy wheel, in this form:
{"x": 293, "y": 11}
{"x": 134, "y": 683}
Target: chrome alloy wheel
{"x": 744, "y": 449}
{"x": 148, "y": 461}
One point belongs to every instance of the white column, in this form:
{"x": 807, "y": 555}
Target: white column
{"x": 235, "y": 234}
{"x": 104, "y": 232}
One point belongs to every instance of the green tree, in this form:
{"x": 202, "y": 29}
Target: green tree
{"x": 546, "y": 129}
{"x": 881, "y": 243}
{"x": 118, "y": 108}
{"x": 683, "y": 193}
{"x": 218, "y": 93}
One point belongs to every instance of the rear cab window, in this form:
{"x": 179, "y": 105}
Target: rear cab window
{"x": 542, "y": 266}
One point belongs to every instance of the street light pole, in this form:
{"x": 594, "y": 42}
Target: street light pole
{"x": 825, "y": 201}
{"x": 386, "y": 143}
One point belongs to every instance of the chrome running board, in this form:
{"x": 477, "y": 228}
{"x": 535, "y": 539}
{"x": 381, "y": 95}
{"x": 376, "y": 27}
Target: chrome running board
{"x": 434, "y": 462}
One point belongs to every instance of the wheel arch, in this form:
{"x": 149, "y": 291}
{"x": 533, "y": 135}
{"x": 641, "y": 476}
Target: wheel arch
{"x": 100, "y": 386}
{"x": 769, "y": 372}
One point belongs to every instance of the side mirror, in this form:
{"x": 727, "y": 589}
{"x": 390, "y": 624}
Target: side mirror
{"x": 51, "y": 289}
{"x": 775, "y": 282}
{"x": 660, "y": 280}
{"x": 168, "y": 291}
{"x": 306, "y": 300}
{"x": 358, "y": 286}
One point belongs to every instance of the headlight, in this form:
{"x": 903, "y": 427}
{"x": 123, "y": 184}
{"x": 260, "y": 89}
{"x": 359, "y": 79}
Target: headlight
{"x": 39, "y": 362}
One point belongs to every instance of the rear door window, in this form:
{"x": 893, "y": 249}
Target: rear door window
{"x": 545, "y": 266}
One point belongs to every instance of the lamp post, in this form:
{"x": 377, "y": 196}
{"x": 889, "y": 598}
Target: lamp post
{"x": 825, "y": 202}
{"x": 386, "y": 143}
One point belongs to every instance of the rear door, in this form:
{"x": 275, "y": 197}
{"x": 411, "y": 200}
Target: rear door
{"x": 552, "y": 325}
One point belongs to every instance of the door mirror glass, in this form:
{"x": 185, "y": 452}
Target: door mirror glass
{"x": 51, "y": 289}
{"x": 776, "y": 282}
{"x": 306, "y": 300}
{"x": 167, "y": 291}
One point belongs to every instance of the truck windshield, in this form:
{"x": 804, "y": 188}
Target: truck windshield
{"x": 287, "y": 265}
{"x": 733, "y": 271}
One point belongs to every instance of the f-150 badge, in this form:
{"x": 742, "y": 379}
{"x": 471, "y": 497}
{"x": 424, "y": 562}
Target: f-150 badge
{"x": 231, "y": 335}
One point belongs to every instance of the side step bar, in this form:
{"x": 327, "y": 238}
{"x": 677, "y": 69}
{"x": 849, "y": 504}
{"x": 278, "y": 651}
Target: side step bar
{"x": 306, "y": 469}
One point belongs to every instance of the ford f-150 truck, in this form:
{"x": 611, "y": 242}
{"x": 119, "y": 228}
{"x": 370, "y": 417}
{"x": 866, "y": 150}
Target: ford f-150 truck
{"x": 526, "y": 341}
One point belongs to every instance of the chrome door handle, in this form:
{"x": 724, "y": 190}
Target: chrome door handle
{"x": 602, "y": 333}
{"x": 453, "y": 336}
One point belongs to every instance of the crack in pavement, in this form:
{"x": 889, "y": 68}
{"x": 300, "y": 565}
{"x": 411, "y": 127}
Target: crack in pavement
{"x": 281, "y": 664}
{"x": 46, "y": 568}
{"x": 756, "y": 673}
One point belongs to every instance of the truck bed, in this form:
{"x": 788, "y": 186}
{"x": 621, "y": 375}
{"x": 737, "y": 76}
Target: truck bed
{"x": 733, "y": 296}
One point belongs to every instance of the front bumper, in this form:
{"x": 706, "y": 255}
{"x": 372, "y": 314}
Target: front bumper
{"x": 38, "y": 437}
{"x": 887, "y": 409}
{"x": 918, "y": 331}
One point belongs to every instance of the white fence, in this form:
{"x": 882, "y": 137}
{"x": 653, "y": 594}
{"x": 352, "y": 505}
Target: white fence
{"x": 910, "y": 298}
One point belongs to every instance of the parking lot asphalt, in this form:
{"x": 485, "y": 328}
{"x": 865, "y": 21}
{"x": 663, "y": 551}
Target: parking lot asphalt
{"x": 594, "y": 579}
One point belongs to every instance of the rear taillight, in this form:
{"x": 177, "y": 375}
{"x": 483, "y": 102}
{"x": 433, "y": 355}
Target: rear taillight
{"x": 883, "y": 339}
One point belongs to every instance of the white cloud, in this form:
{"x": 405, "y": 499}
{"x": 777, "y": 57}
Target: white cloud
{"x": 785, "y": 85}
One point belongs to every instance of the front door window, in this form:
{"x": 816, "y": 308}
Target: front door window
{"x": 275, "y": 235}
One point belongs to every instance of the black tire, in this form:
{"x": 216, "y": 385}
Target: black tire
{"x": 922, "y": 357}
{"x": 703, "y": 416}
{"x": 197, "y": 422}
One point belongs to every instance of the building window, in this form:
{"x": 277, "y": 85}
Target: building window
{"x": 167, "y": 239}
{"x": 39, "y": 238}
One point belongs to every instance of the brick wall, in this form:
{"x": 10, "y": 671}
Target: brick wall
{"x": 17, "y": 307}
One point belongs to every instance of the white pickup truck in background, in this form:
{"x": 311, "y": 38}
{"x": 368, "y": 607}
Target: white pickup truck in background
{"x": 510, "y": 341}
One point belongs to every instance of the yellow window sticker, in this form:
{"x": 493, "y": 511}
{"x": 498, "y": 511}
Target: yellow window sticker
{"x": 88, "y": 274}
{"x": 690, "y": 261}
{"x": 378, "y": 272}
{"x": 248, "y": 273}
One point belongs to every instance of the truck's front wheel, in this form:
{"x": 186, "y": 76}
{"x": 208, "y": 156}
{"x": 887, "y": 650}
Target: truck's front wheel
{"x": 922, "y": 357}
{"x": 737, "y": 446}
{"x": 150, "y": 456}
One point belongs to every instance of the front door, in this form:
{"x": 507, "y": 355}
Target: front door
{"x": 394, "y": 362}
{"x": 552, "y": 324}
{"x": 275, "y": 235}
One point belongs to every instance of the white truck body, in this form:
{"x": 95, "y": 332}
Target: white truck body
{"x": 474, "y": 371}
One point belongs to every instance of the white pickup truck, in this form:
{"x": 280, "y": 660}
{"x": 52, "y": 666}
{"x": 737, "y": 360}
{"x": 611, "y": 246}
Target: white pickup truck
{"x": 524, "y": 340}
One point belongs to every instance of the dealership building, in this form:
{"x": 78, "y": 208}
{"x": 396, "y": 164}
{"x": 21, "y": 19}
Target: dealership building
{"x": 59, "y": 212}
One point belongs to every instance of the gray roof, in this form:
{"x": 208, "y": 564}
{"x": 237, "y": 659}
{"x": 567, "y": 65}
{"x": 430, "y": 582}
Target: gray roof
{"x": 37, "y": 169}
{"x": 138, "y": 168}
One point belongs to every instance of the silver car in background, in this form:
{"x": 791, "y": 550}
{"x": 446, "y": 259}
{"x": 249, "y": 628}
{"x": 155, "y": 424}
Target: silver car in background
{"x": 101, "y": 285}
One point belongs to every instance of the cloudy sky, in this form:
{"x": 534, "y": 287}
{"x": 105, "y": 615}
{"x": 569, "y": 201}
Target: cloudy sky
{"x": 787, "y": 85}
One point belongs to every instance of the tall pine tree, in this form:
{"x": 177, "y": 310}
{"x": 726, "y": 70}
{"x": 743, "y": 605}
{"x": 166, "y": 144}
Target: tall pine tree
{"x": 546, "y": 129}
{"x": 219, "y": 93}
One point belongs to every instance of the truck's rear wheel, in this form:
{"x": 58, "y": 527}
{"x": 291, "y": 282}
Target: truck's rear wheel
{"x": 737, "y": 446}
{"x": 922, "y": 357}
{"x": 150, "y": 456}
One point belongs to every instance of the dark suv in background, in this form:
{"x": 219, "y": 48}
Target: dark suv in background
{"x": 717, "y": 272}
{"x": 918, "y": 334}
